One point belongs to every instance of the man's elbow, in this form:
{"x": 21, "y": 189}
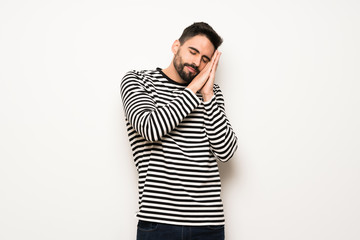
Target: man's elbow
{"x": 227, "y": 154}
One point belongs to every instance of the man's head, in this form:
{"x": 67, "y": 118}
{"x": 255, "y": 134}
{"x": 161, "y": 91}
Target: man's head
{"x": 201, "y": 28}
{"x": 194, "y": 49}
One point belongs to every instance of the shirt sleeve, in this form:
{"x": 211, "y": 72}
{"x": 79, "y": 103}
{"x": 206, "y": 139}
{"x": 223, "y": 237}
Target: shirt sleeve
{"x": 223, "y": 141}
{"x": 149, "y": 120}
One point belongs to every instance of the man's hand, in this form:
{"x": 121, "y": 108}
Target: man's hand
{"x": 207, "y": 90}
{"x": 204, "y": 81}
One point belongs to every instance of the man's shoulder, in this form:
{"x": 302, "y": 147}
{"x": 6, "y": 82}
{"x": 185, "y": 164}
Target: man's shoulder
{"x": 139, "y": 77}
{"x": 141, "y": 74}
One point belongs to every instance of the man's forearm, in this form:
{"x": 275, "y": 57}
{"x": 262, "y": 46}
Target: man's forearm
{"x": 150, "y": 121}
{"x": 222, "y": 138}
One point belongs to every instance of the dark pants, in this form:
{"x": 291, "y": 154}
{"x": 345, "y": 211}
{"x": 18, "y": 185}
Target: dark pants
{"x": 158, "y": 231}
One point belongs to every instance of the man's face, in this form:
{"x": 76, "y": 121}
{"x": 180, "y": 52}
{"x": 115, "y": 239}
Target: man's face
{"x": 191, "y": 57}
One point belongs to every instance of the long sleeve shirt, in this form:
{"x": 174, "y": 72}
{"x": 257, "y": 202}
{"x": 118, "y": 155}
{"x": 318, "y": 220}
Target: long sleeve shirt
{"x": 176, "y": 140}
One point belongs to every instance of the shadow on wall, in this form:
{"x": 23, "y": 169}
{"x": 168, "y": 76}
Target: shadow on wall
{"x": 229, "y": 171}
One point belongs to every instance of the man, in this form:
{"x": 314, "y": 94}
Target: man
{"x": 178, "y": 129}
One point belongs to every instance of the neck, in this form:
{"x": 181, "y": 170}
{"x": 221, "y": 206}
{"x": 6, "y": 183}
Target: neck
{"x": 171, "y": 72}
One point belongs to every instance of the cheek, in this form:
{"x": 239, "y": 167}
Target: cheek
{"x": 202, "y": 66}
{"x": 185, "y": 58}
{"x": 178, "y": 59}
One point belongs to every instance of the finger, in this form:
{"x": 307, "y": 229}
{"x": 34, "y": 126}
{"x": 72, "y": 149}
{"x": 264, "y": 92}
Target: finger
{"x": 213, "y": 59}
{"x": 210, "y": 65}
{"x": 204, "y": 75}
{"x": 216, "y": 63}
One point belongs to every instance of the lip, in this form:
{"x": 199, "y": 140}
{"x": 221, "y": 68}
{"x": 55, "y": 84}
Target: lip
{"x": 191, "y": 69}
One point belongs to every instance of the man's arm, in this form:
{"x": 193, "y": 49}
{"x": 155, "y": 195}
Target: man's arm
{"x": 150, "y": 121}
{"x": 222, "y": 139}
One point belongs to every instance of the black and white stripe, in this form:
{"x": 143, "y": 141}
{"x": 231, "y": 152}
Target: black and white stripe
{"x": 175, "y": 139}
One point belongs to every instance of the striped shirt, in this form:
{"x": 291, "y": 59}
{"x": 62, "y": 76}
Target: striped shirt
{"x": 176, "y": 140}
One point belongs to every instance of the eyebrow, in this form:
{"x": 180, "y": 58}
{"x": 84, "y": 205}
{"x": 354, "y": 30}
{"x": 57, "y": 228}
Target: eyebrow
{"x": 192, "y": 48}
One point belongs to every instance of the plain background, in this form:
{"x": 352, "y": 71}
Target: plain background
{"x": 290, "y": 75}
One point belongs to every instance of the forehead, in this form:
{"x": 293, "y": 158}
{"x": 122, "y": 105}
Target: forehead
{"x": 202, "y": 44}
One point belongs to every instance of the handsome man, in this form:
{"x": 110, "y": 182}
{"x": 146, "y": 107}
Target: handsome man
{"x": 178, "y": 129}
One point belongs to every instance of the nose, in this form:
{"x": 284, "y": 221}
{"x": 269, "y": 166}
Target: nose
{"x": 197, "y": 61}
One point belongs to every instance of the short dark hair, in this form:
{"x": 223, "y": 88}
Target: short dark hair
{"x": 201, "y": 28}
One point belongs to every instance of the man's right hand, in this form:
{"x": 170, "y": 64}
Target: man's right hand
{"x": 209, "y": 70}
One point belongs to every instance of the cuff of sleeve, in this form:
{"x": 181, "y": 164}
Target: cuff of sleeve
{"x": 210, "y": 100}
{"x": 208, "y": 104}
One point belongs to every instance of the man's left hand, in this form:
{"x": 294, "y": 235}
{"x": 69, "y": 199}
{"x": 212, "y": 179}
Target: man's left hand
{"x": 207, "y": 90}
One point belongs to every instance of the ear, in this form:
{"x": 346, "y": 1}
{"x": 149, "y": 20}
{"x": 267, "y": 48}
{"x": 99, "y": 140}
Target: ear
{"x": 175, "y": 47}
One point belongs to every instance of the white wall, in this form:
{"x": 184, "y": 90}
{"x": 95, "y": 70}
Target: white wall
{"x": 290, "y": 74}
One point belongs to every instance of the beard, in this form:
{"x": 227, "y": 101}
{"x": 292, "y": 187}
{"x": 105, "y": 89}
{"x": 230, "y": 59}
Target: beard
{"x": 180, "y": 68}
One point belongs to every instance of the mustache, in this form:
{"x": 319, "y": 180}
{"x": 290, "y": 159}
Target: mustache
{"x": 192, "y": 66}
